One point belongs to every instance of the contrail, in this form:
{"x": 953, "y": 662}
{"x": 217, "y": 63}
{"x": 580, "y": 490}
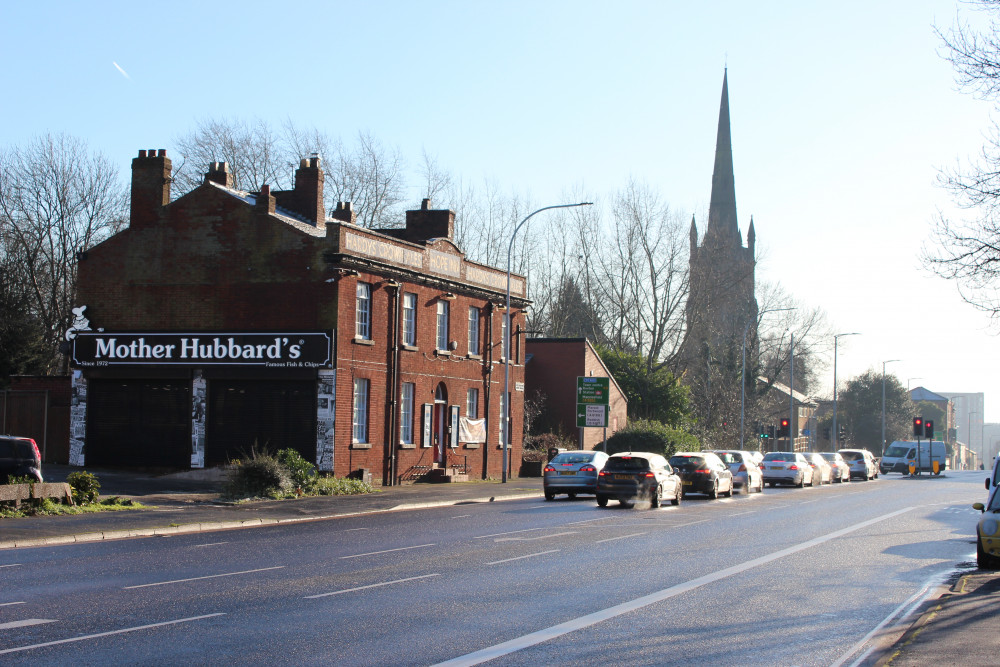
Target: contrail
{"x": 119, "y": 68}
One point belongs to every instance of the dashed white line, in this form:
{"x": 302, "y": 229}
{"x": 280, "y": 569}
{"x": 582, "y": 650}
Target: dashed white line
{"x": 532, "y": 539}
{"x": 512, "y": 532}
{"x": 620, "y": 537}
{"x": 388, "y": 551}
{"x": 508, "y": 560}
{"x": 208, "y": 576}
{"x": 26, "y": 623}
{"x": 362, "y": 588}
{"x": 107, "y": 634}
{"x": 210, "y": 544}
{"x": 8, "y": 604}
{"x": 461, "y": 516}
{"x": 11, "y": 565}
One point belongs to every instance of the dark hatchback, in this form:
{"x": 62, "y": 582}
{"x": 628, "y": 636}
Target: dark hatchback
{"x": 703, "y": 472}
{"x": 19, "y": 457}
{"x": 631, "y": 476}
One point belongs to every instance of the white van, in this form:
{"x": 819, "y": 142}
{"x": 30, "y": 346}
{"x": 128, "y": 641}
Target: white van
{"x": 900, "y": 454}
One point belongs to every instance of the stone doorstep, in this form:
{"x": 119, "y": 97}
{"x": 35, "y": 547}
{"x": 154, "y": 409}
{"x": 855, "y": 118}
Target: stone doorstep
{"x": 17, "y": 492}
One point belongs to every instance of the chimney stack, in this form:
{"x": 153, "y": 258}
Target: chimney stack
{"x": 150, "y": 186}
{"x": 344, "y": 212}
{"x": 265, "y": 200}
{"x": 428, "y": 223}
{"x": 307, "y": 197}
{"x": 218, "y": 172}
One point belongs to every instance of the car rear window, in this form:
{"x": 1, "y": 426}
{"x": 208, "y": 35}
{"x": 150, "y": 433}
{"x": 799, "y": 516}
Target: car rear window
{"x": 852, "y": 456}
{"x": 627, "y": 463}
{"x": 779, "y": 457}
{"x": 576, "y": 457}
{"x": 687, "y": 462}
{"x": 728, "y": 457}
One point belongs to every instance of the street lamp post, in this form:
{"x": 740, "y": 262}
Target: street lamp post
{"x": 883, "y": 402}
{"x": 743, "y": 369}
{"x": 836, "y": 435}
{"x": 505, "y": 343}
{"x": 970, "y": 434}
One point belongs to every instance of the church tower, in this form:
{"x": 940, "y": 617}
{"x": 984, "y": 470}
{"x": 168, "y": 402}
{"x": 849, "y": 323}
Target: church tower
{"x": 721, "y": 304}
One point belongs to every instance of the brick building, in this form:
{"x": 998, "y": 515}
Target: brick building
{"x": 227, "y": 320}
{"x": 554, "y": 364}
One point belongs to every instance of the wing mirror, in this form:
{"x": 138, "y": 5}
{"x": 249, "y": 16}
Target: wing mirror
{"x": 979, "y": 506}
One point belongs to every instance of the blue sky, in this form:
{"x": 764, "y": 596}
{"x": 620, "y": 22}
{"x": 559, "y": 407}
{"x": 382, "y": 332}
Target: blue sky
{"x": 841, "y": 115}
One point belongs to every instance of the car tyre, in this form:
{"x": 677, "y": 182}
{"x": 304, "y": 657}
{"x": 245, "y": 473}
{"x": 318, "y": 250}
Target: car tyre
{"x": 571, "y": 496}
{"x": 984, "y": 560}
{"x": 549, "y": 495}
{"x": 602, "y": 501}
{"x": 771, "y": 484}
{"x": 714, "y": 493}
{"x": 654, "y": 497}
{"x": 625, "y": 503}
{"x": 760, "y": 487}
{"x": 729, "y": 493}
{"x": 802, "y": 482}
{"x": 678, "y": 496}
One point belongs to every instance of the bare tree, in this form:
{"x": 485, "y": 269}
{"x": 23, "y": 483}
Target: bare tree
{"x": 968, "y": 251}
{"x": 56, "y": 199}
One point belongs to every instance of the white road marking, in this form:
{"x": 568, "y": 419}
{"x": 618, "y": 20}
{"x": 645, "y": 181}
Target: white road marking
{"x": 620, "y": 537}
{"x": 513, "y": 532}
{"x": 689, "y": 523}
{"x": 741, "y": 513}
{"x": 26, "y": 622}
{"x": 11, "y": 565}
{"x": 208, "y": 576}
{"x": 8, "y": 604}
{"x": 577, "y": 523}
{"x": 529, "y": 640}
{"x": 913, "y": 602}
{"x": 348, "y": 530}
{"x": 210, "y": 544}
{"x": 107, "y": 634}
{"x": 508, "y": 560}
{"x": 532, "y": 539}
{"x": 388, "y": 551}
{"x": 361, "y": 588}
{"x": 461, "y": 516}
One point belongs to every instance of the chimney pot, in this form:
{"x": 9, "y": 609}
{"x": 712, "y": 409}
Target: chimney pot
{"x": 142, "y": 153}
{"x": 425, "y": 205}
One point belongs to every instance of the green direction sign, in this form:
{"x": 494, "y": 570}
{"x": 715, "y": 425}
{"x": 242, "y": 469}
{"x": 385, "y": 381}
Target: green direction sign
{"x": 592, "y": 402}
{"x": 588, "y": 414}
{"x": 591, "y": 390}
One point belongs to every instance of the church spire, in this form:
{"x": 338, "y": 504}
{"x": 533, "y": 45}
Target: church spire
{"x": 722, "y": 208}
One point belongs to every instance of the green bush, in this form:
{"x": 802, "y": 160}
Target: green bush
{"x": 339, "y": 486}
{"x": 302, "y": 472}
{"x": 85, "y": 487}
{"x": 261, "y": 476}
{"x": 652, "y": 436}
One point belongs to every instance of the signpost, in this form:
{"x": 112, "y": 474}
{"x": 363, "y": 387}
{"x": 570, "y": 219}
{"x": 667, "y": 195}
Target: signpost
{"x": 592, "y": 408}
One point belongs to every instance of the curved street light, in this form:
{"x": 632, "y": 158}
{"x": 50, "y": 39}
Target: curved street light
{"x": 505, "y": 343}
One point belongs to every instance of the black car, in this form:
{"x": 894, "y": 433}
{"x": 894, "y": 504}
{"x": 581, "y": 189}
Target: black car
{"x": 19, "y": 457}
{"x": 631, "y": 476}
{"x": 703, "y": 472}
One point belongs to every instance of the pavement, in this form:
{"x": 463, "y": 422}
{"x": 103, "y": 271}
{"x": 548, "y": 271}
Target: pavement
{"x": 958, "y": 623}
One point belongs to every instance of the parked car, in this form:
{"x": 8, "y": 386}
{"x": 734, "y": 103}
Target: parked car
{"x": 572, "y": 473}
{"x": 747, "y": 476}
{"x": 862, "y": 462}
{"x": 988, "y": 532}
{"x": 994, "y": 479}
{"x": 786, "y": 468}
{"x": 19, "y": 457}
{"x": 839, "y": 468}
{"x": 703, "y": 472}
{"x": 631, "y": 476}
{"x": 820, "y": 466}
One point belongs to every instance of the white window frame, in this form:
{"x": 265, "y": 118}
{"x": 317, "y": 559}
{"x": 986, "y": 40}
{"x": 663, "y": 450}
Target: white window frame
{"x": 407, "y": 394}
{"x": 363, "y": 312}
{"x": 473, "y": 331}
{"x": 441, "y": 341}
{"x": 410, "y": 319}
{"x": 472, "y": 404}
{"x": 505, "y": 339}
{"x": 359, "y": 431}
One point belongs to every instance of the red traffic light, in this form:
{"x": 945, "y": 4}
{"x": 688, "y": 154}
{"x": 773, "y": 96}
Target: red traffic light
{"x": 784, "y": 423}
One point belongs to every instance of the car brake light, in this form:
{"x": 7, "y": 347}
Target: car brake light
{"x": 588, "y": 468}
{"x": 704, "y": 471}
{"x": 649, "y": 474}
{"x": 34, "y": 446}
{"x": 793, "y": 467}
{"x": 549, "y": 469}
{"x": 743, "y": 468}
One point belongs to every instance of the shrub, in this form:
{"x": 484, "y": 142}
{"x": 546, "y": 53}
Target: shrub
{"x": 339, "y": 486}
{"x": 301, "y": 471}
{"x": 652, "y": 436}
{"x": 536, "y": 447}
{"x": 85, "y": 487}
{"x": 260, "y": 476}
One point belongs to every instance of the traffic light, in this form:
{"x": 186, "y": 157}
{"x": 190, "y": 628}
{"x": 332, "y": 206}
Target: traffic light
{"x": 929, "y": 429}
{"x": 783, "y": 429}
{"x": 918, "y": 427}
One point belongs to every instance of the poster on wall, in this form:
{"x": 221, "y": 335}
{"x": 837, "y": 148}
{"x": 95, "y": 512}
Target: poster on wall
{"x": 453, "y": 426}
{"x": 428, "y": 424}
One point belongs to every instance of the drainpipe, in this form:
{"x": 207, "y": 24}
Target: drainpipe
{"x": 394, "y": 381}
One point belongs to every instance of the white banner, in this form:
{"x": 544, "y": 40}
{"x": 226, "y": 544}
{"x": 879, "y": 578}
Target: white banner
{"x": 471, "y": 430}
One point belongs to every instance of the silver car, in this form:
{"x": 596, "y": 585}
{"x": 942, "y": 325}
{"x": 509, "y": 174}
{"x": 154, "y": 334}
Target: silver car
{"x": 822, "y": 469}
{"x": 747, "y": 476}
{"x": 839, "y": 468}
{"x": 786, "y": 468}
{"x": 862, "y": 462}
{"x": 572, "y": 473}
